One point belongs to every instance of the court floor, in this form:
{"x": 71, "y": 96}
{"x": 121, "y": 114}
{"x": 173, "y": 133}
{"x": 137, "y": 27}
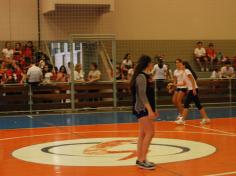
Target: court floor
{"x": 104, "y": 144}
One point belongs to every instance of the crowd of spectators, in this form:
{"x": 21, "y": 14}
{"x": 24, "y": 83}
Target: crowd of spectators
{"x": 211, "y": 59}
{"x": 23, "y": 64}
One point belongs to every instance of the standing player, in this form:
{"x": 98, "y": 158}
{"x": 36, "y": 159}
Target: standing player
{"x": 181, "y": 89}
{"x": 142, "y": 88}
{"x": 192, "y": 95}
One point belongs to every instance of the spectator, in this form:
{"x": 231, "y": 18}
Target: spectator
{"x": 62, "y": 74}
{"x": 126, "y": 65}
{"x": 227, "y": 71}
{"x": 34, "y": 75}
{"x": 7, "y": 52}
{"x": 68, "y": 68}
{"x": 23, "y": 76}
{"x": 18, "y": 73}
{"x": 48, "y": 75}
{"x": 94, "y": 74}
{"x": 42, "y": 63}
{"x": 78, "y": 73}
{"x": 54, "y": 72}
{"x": 225, "y": 60}
{"x": 200, "y": 56}
{"x": 9, "y": 75}
{"x": 118, "y": 73}
{"x": 211, "y": 55}
{"x": 28, "y": 52}
{"x": 215, "y": 74}
{"x": 130, "y": 73}
{"x": 17, "y": 55}
{"x": 159, "y": 73}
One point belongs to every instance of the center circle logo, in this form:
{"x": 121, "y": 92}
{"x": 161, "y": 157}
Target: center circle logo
{"x": 111, "y": 151}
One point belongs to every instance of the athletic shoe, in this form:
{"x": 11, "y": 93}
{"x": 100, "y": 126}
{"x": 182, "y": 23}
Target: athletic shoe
{"x": 144, "y": 165}
{"x": 150, "y": 163}
{"x": 207, "y": 69}
{"x": 202, "y": 69}
{"x": 180, "y": 121}
{"x": 205, "y": 121}
{"x": 179, "y": 116}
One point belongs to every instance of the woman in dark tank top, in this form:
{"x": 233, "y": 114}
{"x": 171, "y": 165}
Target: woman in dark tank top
{"x": 142, "y": 88}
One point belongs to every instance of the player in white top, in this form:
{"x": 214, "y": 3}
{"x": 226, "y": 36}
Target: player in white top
{"x": 181, "y": 89}
{"x": 192, "y": 95}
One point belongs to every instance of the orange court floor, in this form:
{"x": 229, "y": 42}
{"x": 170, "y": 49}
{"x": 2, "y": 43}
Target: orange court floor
{"x": 109, "y": 149}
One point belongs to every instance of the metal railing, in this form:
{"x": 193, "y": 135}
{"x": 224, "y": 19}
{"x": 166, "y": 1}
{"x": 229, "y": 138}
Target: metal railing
{"x": 57, "y": 96}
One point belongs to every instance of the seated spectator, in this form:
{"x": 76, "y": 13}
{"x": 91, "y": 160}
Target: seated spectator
{"x": 17, "y": 56}
{"x": 7, "y": 53}
{"x": 94, "y": 74}
{"x": 68, "y": 68}
{"x": 54, "y": 72}
{"x": 118, "y": 73}
{"x": 216, "y": 74}
{"x": 62, "y": 75}
{"x": 23, "y": 76}
{"x": 78, "y": 73}
{"x": 48, "y": 75}
{"x": 34, "y": 75}
{"x": 28, "y": 52}
{"x": 200, "y": 56}
{"x": 126, "y": 65}
{"x": 227, "y": 71}
{"x": 18, "y": 73}
{"x": 130, "y": 73}
{"x": 225, "y": 60}
{"x": 42, "y": 63}
{"x": 9, "y": 77}
{"x": 211, "y": 55}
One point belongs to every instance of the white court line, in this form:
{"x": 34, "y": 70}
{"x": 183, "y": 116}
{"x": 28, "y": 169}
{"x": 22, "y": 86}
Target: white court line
{"x": 87, "y": 132}
{"x": 211, "y": 129}
{"x": 221, "y": 174}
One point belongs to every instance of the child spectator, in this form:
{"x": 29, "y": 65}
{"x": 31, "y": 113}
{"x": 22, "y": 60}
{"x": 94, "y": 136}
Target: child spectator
{"x": 200, "y": 56}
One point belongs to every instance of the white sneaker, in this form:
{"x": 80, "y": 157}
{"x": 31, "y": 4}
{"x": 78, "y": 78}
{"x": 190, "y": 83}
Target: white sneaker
{"x": 202, "y": 69}
{"x": 180, "y": 121}
{"x": 207, "y": 69}
{"x": 205, "y": 121}
{"x": 179, "y": 116}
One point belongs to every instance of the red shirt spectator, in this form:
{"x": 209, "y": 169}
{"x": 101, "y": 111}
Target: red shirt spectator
{"x": 211, "y": 53}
